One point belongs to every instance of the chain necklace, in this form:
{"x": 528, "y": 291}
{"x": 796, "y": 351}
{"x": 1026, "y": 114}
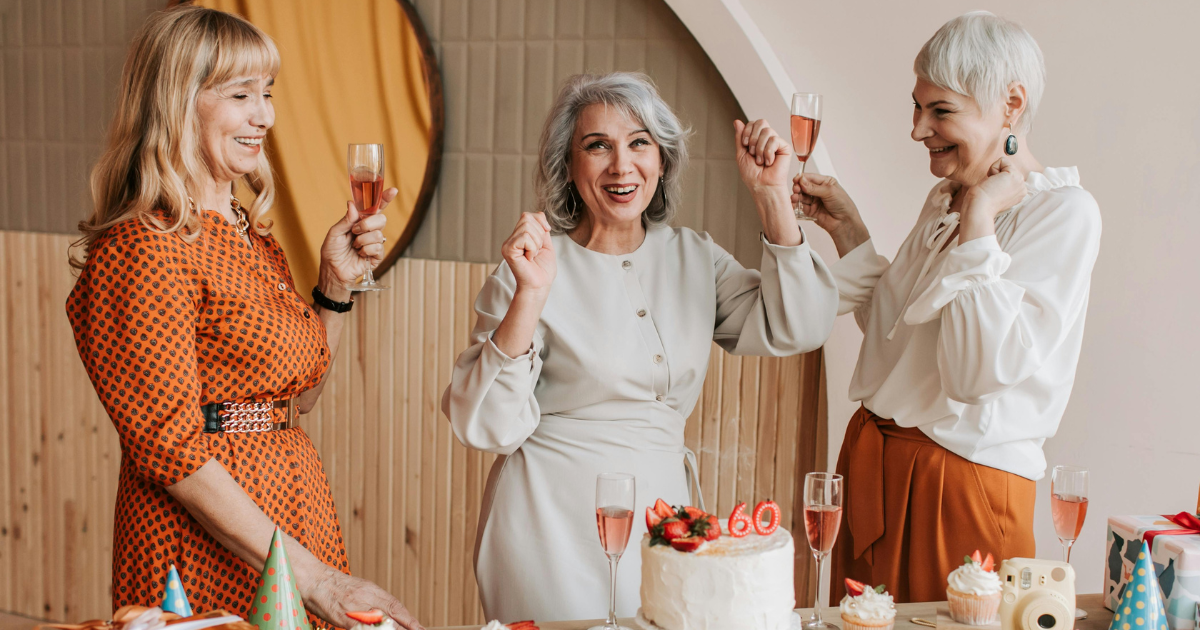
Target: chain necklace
{"x": 243, "y": 221}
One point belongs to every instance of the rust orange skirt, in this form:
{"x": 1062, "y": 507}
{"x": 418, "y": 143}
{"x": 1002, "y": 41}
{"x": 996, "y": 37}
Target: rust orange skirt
{"x": 914, "y": 509}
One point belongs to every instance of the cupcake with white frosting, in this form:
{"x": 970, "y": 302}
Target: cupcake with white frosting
{"x": 867, "y": 608}
{"x": 973, "y": 591}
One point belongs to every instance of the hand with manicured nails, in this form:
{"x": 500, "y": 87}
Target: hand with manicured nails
{"x": 1003, "y": 188}
{"x": 353, "y": 246}
{"x": 823, "y": 199}
{"x": 762, "y": 156}
{"x": 529, "y": 253}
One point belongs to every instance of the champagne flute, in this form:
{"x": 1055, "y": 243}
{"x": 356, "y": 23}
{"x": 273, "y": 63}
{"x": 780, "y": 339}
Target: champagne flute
{"x": 806, "y": 124}
{"x": 822, "y": 519}
{"x": 614, "y": 520}
{"x": 365, "y": 163}
{"x": 1068, "y": 508}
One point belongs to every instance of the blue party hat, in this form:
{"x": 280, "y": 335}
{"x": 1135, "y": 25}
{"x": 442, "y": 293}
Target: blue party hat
{"x": 174, "y": 599}
{"x": 1141, "y": 606}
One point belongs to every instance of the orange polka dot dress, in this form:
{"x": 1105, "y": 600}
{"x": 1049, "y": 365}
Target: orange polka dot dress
{"x": 163, "y": 327}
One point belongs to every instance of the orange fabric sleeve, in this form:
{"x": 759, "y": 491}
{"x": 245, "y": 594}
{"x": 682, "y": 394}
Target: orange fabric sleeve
{"x": 134, "y": 316}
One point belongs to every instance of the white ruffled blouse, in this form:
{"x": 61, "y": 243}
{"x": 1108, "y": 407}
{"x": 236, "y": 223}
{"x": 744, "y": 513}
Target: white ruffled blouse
{"x": 977, "y": 343}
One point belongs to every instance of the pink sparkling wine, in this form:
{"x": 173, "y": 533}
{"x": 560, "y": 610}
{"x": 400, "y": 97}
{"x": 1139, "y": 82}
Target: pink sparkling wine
{"x": 821, "y": 523}
{"x": 804, "y": 135}
{"x": 614, "y": 524}
{"x": 1068, "y": 512}
{"x": 367, "y": 188}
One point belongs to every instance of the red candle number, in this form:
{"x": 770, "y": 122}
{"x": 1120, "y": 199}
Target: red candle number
{"x": 740, "y": 524}
{"x": 768, "y": 529}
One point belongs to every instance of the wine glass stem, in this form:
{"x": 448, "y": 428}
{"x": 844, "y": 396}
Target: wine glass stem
{"x": 1067, "y": 550}
{"x": 368, "y": 278}
{"x": 612, "y": 592}
{"x": 822, "y": 589}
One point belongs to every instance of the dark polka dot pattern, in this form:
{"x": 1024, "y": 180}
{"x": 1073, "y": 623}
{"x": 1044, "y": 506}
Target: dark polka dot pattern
{"x": 163, "y": 327}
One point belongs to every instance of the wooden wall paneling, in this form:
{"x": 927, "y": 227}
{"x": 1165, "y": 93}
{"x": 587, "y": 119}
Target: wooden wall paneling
{"x": 458, "y": 475}
{"x": 731, "y": 410}
{"x": 414, "y": 440}
{"x": 710, "y": 430}
{"x": 748, "y": 431}
{"x": 9, "y": 423}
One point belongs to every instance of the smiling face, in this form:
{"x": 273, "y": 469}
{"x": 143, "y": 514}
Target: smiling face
{"x": 615, "y": 164}
{"x": 962, "y": 139}
{"x": 234, "y": 119}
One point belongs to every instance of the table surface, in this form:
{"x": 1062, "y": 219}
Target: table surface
{"x": 1099, "y": 617}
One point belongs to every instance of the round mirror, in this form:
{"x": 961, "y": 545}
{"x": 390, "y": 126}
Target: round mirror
{"x": 352, "y": 72}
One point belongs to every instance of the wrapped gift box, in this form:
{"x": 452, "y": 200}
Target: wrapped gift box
{"x": 1176, "y": 562}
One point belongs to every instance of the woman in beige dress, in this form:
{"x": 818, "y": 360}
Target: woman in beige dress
{"x": 594, "y": 334}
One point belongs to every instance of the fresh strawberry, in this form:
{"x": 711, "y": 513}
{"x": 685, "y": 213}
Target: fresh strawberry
{"x": 521, "y": 625}
{"x": 674, "y": 528}
{"x": 976, "y": 558}
{"x": 854, "y": 587}
{"x": 652, "y": 518}
{"x": 370, "y": 617}
{"x": 662, "y": 509}
{"x": 988, "y": 563}
{"x": 693, "y": 514}
{"x": 689, "y": 544}
{"x": 714, "y": 528}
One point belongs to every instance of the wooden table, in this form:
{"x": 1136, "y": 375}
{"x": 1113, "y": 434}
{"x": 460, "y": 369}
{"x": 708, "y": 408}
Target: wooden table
{"x": 1099, "y": 617}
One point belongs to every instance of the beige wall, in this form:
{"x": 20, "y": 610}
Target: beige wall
{"x": 1121, "y": 103}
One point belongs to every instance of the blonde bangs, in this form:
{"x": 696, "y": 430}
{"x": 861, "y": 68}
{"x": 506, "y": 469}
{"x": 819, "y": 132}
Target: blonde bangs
{"x": 242, "y": 50}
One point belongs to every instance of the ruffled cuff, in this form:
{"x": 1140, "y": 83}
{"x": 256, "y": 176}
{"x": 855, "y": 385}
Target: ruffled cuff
{"x": 973, "y": 264}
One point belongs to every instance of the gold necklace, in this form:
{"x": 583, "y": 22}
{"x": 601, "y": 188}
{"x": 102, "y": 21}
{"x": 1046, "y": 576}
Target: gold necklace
{"x": 243, "y": 222}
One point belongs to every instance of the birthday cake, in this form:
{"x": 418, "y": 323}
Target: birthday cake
{"x": 720, "y": 579}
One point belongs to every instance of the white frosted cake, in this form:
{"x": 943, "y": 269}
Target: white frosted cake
{"x": 727, "y": 584}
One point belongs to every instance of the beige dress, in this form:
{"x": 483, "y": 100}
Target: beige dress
{"x": 617, "y": 364}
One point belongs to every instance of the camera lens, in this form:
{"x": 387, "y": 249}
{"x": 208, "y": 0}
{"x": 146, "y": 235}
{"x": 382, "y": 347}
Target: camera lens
{"x": 1046, "y": 621}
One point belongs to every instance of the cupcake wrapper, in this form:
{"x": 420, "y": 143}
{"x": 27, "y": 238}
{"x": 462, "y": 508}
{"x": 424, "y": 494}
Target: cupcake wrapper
{"x": 974, "y": 610}
{"x": 854, "y": 623}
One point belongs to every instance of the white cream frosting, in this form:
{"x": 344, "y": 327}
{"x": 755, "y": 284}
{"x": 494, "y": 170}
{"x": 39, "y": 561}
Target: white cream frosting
{"x": 869, "y": 605}
{"x": 386, "y": 624}
{"x": 495, "y": 625}
{"x": 729, "y": 584}
{"x": 971, "y": 578}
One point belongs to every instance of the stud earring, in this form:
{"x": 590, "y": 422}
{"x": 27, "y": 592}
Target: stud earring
{"x": 1010, "y": 144}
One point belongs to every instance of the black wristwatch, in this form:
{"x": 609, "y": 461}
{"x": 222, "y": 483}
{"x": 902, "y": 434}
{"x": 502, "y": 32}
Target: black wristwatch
{"x": 322, "y": 300}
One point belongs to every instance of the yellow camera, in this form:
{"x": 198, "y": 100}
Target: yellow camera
{"x": 1036, "y": 595}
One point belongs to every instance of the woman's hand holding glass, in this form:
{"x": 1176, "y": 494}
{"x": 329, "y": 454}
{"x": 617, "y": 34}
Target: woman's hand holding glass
{"x": 763, "y": 162}
{"x": 826, "y": 202}
{"x": 352, "y": 246}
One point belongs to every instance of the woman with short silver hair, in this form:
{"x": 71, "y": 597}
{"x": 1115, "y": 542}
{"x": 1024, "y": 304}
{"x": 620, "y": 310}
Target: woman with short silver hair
{"x": 972, "y": 333}
{"x": 594, "y": 334}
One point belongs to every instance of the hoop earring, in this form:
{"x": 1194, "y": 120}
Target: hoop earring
{"x": 571, "y": 204}
{"x": 1010, "y": 144}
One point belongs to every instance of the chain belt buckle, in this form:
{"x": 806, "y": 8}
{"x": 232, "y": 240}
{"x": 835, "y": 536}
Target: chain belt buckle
{"x": 247, "y": 417}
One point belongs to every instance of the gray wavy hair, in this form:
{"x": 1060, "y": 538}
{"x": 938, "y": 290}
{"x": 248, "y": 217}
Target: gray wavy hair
{"x": 979, "y": 55}
{"x": 633, "y": 93}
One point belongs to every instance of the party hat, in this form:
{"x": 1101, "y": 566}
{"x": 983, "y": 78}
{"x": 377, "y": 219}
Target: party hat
{"x": 1141, "y": 606}
{"x": 277, "y": 604}
{"x": 174, "y": 599}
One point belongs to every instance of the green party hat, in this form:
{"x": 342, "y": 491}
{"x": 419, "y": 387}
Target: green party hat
{"x": 174, "y": 599}
{"x": 1141, "y": 606}
{"x": 277, "y": 604}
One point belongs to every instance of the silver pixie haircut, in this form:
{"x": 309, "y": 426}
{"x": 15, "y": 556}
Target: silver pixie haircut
{"x": 979, "y": 55}
{"x": 632, "y": 93}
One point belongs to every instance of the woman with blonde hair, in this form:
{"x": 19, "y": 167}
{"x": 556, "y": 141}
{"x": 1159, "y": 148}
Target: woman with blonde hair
{"x": 971, "y": 334}
{"x": 197, "y": 343}
{"x": 594, "y": 337}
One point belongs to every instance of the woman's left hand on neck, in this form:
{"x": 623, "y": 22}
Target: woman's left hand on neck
{"x": 763, "y": 160}
{"x": 1003, "y": 188}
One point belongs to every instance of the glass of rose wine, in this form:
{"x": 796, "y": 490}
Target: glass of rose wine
{"x": 822, "y": 518}
{"x": 365, "y": 163}
{"x": 806, "y": 124}
{"x": 1068, "y": 508}
{"x": 614, "y": 520}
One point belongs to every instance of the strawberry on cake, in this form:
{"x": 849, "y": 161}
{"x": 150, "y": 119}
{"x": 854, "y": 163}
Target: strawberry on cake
{"x": 696, "y": 576}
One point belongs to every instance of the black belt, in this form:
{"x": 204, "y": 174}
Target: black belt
{"x": 247, "y": 417}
